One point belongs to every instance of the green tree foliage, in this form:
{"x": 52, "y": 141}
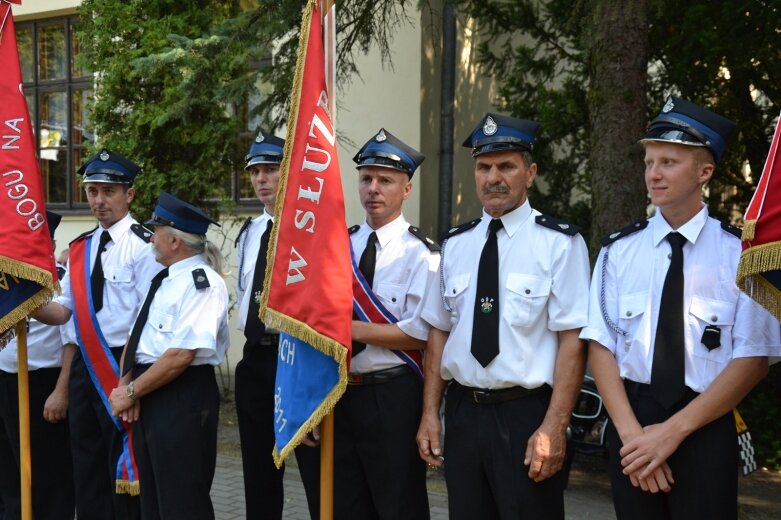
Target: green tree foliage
{"x": 176, "y": 78}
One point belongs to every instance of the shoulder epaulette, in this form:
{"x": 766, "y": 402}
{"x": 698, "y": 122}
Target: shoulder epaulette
{"x": 557, "y": 225}
{"x": 353, "y": 229}
{"x": 242, "y": 230}
{"x": 200, "y": 279}
{"x": 83, "y": 235}
{"x": 624, "y": 232}
{"x": 458, "y": 229}
{"x": 732, "y": 230}
{"x": 432, "y": 246}
{"x": 143, "y": 233}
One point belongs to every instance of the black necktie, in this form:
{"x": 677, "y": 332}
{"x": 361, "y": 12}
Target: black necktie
{"x": 138, "y": 326}
{"x": 366, "y": 266}
{"x": 667, "y": 373}
{"x": 485, "y": 328}
{"x": 96, "y": 278}
{"x": 254, "y": 328}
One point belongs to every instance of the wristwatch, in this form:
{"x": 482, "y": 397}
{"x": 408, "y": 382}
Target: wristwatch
{"x": 131, "y": 391}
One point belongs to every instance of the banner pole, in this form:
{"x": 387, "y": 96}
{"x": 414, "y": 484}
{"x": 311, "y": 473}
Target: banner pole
{"x": 327, "y": 426}
{"x": 24, "y": 422}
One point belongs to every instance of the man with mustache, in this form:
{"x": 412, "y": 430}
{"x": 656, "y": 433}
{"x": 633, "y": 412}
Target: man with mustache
{"x": 109, "y": 272}
{"x": 505, "y": 315}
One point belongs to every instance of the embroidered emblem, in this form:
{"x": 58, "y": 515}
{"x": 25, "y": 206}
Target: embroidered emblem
{"x": 564, "y": 226}
{"x": 486, "y": 305}
{"x": 104, "y": 156}
{"x": 668, "y": 105}
{"x": 489, "y": 127}
{"x": 614, "y": 235}
{"x": 260, "y": 138}
{"x": 381, "y": 136}
{"x": 257, "y": 296}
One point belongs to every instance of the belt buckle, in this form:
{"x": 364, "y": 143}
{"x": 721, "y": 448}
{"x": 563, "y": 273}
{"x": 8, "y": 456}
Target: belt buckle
{"x": 479, "y": 396}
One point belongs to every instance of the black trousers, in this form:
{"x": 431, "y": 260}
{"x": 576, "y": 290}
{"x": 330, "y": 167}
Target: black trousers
{"x": 176, "y": 446}
{"x": 378, "y": 473}
{"x": 704, "y": 467}
{"x": 263, "y": 488}
{"x": 96, "y": 445}
{"x": 485, "y": 446}
{"x": 50, "y": 456}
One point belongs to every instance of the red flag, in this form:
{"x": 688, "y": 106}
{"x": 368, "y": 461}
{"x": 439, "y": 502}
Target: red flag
{"x": 28, "y": 274}
{"x": 759, "y": 270}
{"x": 308, "y": 285}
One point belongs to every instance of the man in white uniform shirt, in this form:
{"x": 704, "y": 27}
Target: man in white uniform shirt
{"x": 49, "y": 364}
{"x": 505, "y": 315}
{"x": 168, "y": 388}
{"x": 256, "y": 372}
{"x": 675, "y": 345}
{"x": 115, "y": 265}
{"x": 377, "y": 473}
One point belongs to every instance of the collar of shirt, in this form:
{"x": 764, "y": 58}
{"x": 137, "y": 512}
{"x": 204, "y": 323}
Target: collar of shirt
{"x": 691, "y": 230}
{"x": 118, "y": 229}
{"x": 511, "y": 221}
{"x": 185, "y": 265}
{"x": 384, "y": 234}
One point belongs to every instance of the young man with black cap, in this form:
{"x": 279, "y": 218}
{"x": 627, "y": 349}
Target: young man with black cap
{"x": 505, "y": 316}
{"x": 109, "y": 272}
{"x": 49, "y": 368}
{"x": 377, "y": 472}
{"x": 256, "y": 372}
{"x": 168, "y": 388}
{"x": 675, "y": 345}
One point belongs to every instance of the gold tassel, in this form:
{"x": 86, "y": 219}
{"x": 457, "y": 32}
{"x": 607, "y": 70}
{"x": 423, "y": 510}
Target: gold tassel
{"x": 128, "y": 487}
{"x": 749, "y": 230}
{"x": 753, "y": 263}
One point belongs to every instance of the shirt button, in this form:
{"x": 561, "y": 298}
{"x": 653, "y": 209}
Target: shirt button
{"x": 527, "y": 291}
{"x": 454, "y": 291}
{"x": 669, "y": 256}
{"x": 159, "y": 326}
{"x": 628, "y": 313}
{"x": 393, "y": 300}
{"x": 714, "y": 318}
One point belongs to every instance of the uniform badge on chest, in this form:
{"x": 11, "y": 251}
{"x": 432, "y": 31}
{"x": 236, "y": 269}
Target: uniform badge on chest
{"x": 486, "y": 305}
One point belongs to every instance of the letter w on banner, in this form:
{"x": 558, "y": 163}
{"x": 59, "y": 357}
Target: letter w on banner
{"x": 28, "y": 274}
{"x": 308, "y": 286}
{"x": 759, "y": 270}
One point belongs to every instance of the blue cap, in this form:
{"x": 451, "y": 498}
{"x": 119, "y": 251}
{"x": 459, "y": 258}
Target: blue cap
{"x": 685, "y": 123}
{"x": 388, "y": 151}
{"x": 109, "y": 167}
{"x": 500, "y": 133}
{"x": 179, "y": 214}
{"x": 265, "y": 149}
{"x": 52, "y": 221}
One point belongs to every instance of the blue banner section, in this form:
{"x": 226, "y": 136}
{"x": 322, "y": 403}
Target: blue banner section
{"x": 14, "y": 292}
{"x": 305, "y": 377}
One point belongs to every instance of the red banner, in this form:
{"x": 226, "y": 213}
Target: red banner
{"x": 28, "y": 274}
{"x": 308, "y": 285}
{"x": 759, "y": 271}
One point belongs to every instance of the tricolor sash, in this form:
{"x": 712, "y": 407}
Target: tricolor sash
{"x": 369, "y": 309}
{"x": 103, "y": 368}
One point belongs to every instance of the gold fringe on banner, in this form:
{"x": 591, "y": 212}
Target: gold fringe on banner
{"x": 16, "y": 269}
{"x": 753, "y": 263}
{"x": 128, "y": 487}
{"x": 749, "y": 229}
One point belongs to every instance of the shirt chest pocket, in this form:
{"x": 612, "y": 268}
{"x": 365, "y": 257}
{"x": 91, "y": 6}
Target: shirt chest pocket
{"x": 455, "y": 290}
{"x": 392, "y": 297}
{"x": 526, "y": 299}
{"x": 161, "y": 321}
{"x": 118, "y": 275}
{"x": 711, "y": 325}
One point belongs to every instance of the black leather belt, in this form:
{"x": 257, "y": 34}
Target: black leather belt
{"x": 268, "y": 340}
{"x": 380, "y": 376}
{"x": 500, "y": 395}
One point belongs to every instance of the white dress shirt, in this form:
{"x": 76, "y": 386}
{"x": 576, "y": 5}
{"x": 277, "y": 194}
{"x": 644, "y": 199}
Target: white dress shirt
{"x": 184, "y": 317}
{"x": 405, "y": 267}
{"x": 249, "y": 245}
{"x": 634, "y": 277}
{"x": 543, "y": 289}
{"x": 128, "y": 265}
